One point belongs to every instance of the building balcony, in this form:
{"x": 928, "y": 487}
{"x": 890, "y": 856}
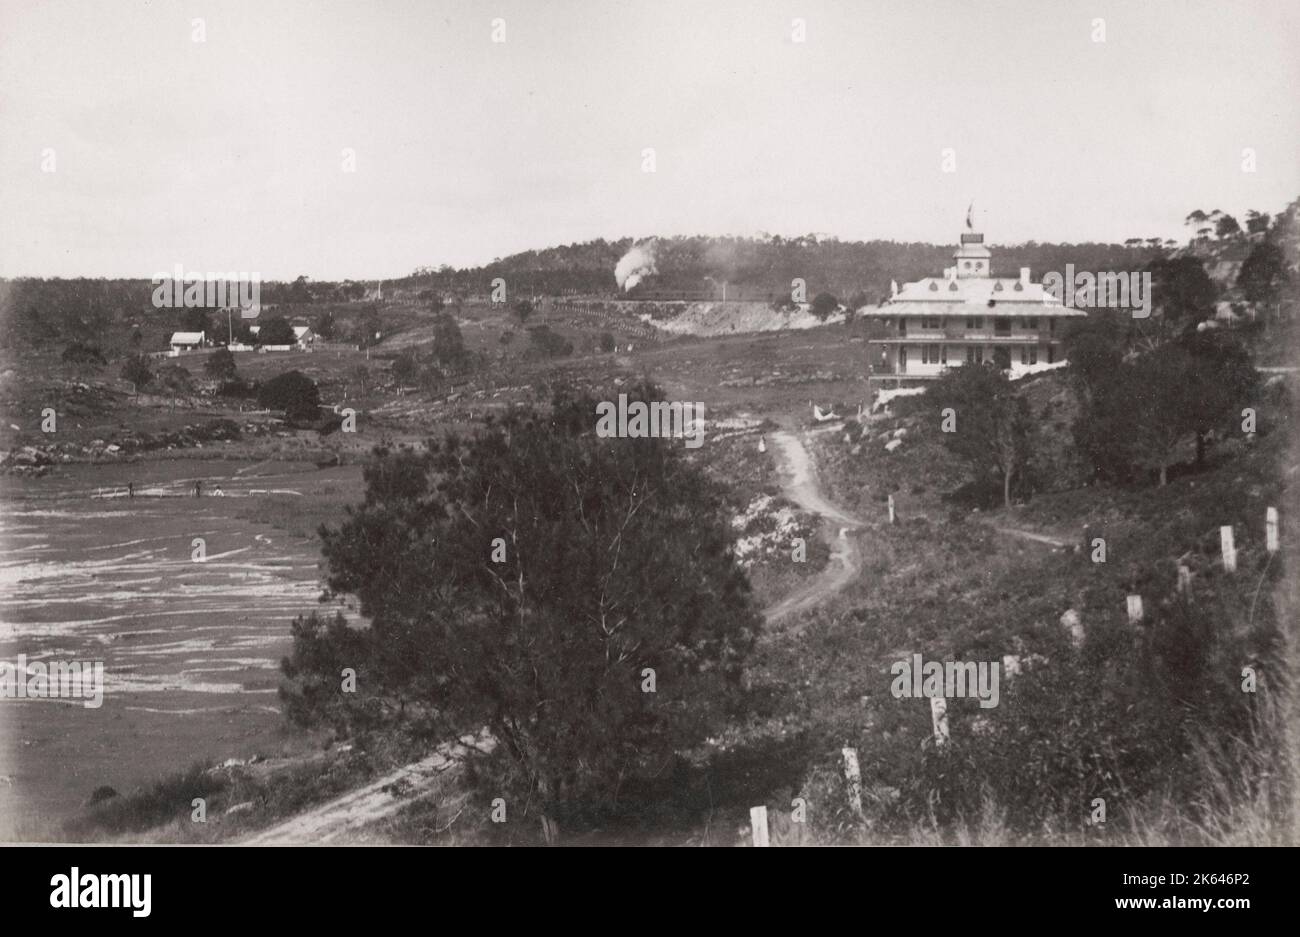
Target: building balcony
{"x": 961, "y": 335}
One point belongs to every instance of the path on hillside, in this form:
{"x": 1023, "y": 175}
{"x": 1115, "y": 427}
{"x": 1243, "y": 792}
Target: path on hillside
{"x": 386, "y": 796}
{"x": 1044, "y": 539}
{"x": 799, "y": 484}
{"x": 378, "y": 800}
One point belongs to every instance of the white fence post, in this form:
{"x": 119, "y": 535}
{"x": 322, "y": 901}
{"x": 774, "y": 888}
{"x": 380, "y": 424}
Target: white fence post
{"x": 1184, "y": 579}
{"x": 1226, "y": 547}
{"x": 1134, "y": 609}
{"x": 891, "y": 509}
{"x": 853, "y": 775}
{"x": 939, "y": 718}
{"x": 1270, "y": 529}
{"x": 758, "y": 821}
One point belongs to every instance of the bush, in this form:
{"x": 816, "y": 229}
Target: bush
{"x": 294, "y": 393}
{"x": 136, "y": 370}
{"x": 220, "y": 365}
{"x": 84, "y": 355}
{"x": 544, "y": 343}
{"x": 275, "y": 331}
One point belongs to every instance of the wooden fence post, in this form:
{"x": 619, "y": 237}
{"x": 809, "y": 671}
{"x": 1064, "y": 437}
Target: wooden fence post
{"x": 891, "y": 509}
{"x": 758, "y": 821}
{"x": 1270, "y": 529}
{"x": 853, "y": 775}
{"x": 1226, "y": 547}
{"x": 939, "y": 718}
{"x": 1134, "y": 609}
{"x": 1184, "y": 579}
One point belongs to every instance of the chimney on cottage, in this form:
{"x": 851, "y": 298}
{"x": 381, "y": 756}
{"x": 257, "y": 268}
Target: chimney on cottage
{"x": 1024, "y": 276}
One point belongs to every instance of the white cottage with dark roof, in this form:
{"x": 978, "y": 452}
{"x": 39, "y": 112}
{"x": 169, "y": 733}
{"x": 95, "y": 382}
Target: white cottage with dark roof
{"x": 968, "y": 316}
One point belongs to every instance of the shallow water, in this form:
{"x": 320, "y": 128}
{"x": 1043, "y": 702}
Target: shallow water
{"x": 191, "y": 649}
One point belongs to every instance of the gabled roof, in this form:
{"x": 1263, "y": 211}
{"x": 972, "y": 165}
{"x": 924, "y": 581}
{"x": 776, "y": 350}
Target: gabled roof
{"x": 300, "y": 330}
{"x": 186, "y": 338}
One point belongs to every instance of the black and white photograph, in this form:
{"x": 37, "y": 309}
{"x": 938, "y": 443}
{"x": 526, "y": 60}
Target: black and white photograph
{"x": 650, "y": 424}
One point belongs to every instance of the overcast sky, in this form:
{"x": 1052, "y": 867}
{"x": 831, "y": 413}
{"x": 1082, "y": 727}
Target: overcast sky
{"x": 227, "y": 154}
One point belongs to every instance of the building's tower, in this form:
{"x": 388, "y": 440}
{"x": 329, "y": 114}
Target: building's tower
{"x": 971, "y": 258}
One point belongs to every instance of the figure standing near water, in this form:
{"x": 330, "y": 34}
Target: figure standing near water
{"x": 130, "y": 489}
{"x": 198, "y": 489}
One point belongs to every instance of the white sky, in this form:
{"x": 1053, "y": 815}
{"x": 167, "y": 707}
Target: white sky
{"x": 226, "y": 154}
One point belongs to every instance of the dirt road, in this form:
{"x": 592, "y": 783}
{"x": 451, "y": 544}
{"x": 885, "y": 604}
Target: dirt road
{"x": 799, "y": 484}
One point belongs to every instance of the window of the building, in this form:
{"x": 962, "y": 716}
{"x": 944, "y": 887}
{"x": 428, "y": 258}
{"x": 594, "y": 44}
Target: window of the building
{"x": 965, "y": 264}
{"x": 1051, "y": 326}
{"x": 974, "y": 354}
{"x": 1051, "y": 354}
{"x": 1001, "y": 326}
{"x": 931, "y": 354}
{"x": 1031, "y": 322}
{"x": 902, "y": 325}
{"x": 1029, "y": 354}
{"x": 974, "y": 322}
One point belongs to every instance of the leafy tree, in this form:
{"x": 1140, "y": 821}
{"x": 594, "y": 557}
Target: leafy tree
{"x": 294, "y": 393}
{"x": 1256, "y": 223}
{"x": 523, "y": 308}
{"x": 136, "y": 370}
{"x": 369, "y": 329}
{"x": 1263, "y": 274}
{"x": 1142, "y": 411}
{"x": 534, "y": 578}
{"x": 275, "y": 330}
{"x": 991, "y": 430}
{"x": 606, "y": 342}
{"x": 1182, "y": 293}
{"x": 1163, "y": 405}
{"x": 175, "y": 378}
{"x": 243, "y": 332}
{"x": 220, "y": 365}
{"x": 1095, "y": 347}
{"x": 823, "y": 305}
{"x": 1222, "y": 379}
{"x": 405, "y": 368}
{"x": 85, "y": 357}
{"x": 299, "y": 291}
{"x": 448, "y": 344}
{"x": 545, "y": 343}
{"x": 1226, "y": 227}
{"x": 326, "y": 326}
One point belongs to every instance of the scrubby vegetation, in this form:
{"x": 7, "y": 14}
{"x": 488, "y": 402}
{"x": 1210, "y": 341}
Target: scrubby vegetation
{"x": 587, "y": 607}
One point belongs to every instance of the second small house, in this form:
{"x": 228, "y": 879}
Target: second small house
{"x": 182, "y": 342}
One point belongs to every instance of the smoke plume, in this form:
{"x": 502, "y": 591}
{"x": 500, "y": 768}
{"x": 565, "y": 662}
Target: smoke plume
{"x": 635, "y": 265}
